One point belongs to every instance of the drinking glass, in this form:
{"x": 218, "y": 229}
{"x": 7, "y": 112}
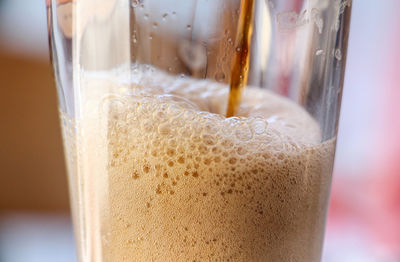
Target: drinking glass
{"x": 199, "y": 130}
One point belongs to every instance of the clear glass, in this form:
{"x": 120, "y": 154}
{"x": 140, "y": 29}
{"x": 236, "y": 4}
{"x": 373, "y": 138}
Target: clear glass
{"x": 157, "y": 171}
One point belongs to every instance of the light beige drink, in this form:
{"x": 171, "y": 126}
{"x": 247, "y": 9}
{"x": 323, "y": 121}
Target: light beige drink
{"x": 169, "y": 178}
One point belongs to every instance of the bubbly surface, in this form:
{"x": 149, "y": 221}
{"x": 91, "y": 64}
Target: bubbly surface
{"x": 164, "y": 176}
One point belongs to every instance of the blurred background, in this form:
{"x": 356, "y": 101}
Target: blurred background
{"x": 364, "y": 216}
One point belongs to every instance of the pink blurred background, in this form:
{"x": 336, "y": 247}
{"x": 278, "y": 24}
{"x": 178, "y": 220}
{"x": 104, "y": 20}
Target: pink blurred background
{"x": 364, "y": 216}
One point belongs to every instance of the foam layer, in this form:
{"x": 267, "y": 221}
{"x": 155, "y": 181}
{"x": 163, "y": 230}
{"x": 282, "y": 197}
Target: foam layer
{"x": 165, "y": 177}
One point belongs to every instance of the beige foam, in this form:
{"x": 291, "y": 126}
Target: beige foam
{"x": 166, "y": 180}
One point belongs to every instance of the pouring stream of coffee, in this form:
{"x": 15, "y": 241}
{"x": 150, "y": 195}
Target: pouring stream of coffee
{"x": 240, "y": 63}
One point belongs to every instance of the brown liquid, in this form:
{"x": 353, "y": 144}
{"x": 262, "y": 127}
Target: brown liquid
{"x": 240, "y": 64}
{"x": 166, "y": 178}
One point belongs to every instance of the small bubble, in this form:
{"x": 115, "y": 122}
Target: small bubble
{"x": 147, "y": 126}
{"x": 171, "y": 152}
{"x": 227, "y": 144}
{"x": 155, "y": 25}
{"x": 172, "y": 143}
{"x": 164, "y": 129}
{"x": 150, "y": 37}
{"x": 181, "y": 149}
{"x": 338, "y": 54}
{"x": 238, "y": 49}
{"x": 173, "y": 13}
{"x": 216, "y": 150}
{"x": 319, "y": 52}
{"x": 112, "y": 103}
{"x": 259, "y": 126}
{"x": 160, "y": 114}
{"x": 207, "y": 161}
{"x": 146, "y": 16}
{"x": 135, "y": 175}
{"x": 189, "y": 27}
{"x": 208, "y": 140}
{"x": 281, "y": 156}
{"x": 232, "y": 160}
{"x": 164, "y": 16}
{"x": 244, "y": 133}
{"x": 203, "y": 149}
{"x": 135, "y": 3}
{"x": 241, "y": 151}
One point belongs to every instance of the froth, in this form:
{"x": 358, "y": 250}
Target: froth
{"x": 185, "y": 183}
